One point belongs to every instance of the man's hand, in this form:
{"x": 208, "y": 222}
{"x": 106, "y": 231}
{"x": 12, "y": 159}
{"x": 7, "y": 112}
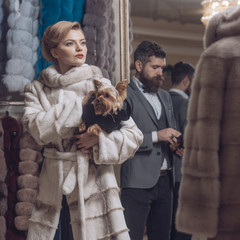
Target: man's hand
{"x": 180, "y": 152}
{"x": 85, "y": 141}
{"x": 168, "y": 134}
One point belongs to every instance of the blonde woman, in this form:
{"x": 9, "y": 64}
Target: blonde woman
{"x": 53, "y": 111}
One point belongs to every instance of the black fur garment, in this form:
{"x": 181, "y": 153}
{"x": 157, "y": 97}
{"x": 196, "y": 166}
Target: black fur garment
{"x": 107, "y": 123}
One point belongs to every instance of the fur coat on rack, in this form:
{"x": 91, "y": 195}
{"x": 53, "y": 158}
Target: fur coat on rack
{"x": 30, "y": 159}
{"x": 12, "y": 134}
{"x": 3, "y": 187}
{"x": 98, "y": 26}
{"x": 22, "y": 44}
{"x": 209, "y": 202}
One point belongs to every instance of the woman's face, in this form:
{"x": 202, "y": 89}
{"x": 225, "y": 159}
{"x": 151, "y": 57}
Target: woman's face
{"x": 71, "y": 51}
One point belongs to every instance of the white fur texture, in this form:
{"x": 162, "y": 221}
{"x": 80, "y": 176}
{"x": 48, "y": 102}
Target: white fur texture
{"x": 22, "y": 52}
{"x": 18, "y": 66}
{"x": 22, "y": 44}
{"x": 63, "y": 110}
{"x": 18, "y": 38}
{"x": 15, "y": 82}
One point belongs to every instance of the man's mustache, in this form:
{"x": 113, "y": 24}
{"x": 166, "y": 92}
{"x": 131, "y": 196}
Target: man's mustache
{"x": 158, "y": 78}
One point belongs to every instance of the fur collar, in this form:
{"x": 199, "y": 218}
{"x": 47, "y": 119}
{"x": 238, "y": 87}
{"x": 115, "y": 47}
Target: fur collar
{"x": 222, "y": 25}
{"x": 52, "y": 78}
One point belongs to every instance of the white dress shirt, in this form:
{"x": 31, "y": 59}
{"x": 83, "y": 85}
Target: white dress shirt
{"x": 157, "y": 107}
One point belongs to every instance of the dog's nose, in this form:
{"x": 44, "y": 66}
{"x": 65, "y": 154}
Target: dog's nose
{"x": 98, "y": 100}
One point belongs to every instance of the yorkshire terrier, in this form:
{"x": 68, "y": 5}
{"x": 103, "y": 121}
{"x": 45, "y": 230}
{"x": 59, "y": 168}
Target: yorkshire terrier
{"x": 105, "y": 109}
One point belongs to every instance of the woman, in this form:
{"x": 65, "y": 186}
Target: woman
{"x": 53, "y": 110}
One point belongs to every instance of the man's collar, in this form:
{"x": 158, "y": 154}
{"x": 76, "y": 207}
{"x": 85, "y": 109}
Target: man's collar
{"x": 182, "y": 93}
{"x": 138, "y": 83}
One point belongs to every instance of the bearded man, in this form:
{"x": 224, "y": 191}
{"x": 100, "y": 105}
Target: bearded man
{"x": 147, "y": 178}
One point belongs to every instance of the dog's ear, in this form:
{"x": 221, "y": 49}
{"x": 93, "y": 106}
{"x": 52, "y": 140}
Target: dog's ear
{"x": 122, "y": 88}
{"x": 97, "y": 84}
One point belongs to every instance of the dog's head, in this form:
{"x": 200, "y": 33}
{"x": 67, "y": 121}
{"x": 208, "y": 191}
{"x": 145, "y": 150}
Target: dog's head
{"x": 108, "y": 98}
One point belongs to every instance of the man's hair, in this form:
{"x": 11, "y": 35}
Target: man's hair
{"x": 180, "y": 71}
{"x": 147, "y": 49}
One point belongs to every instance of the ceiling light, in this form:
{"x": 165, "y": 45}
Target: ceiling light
{"x": 211, "y": 7}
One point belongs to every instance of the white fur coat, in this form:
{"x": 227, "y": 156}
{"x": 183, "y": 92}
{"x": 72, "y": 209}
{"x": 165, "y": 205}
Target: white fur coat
{"x": 52, "y": 114}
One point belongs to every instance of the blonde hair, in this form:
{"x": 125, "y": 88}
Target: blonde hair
{"x": 54, "y": 34}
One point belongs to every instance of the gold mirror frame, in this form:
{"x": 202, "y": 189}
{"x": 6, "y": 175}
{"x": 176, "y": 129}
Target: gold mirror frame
{"x": 121, "y": 20}
{"x": 122, "y": 56}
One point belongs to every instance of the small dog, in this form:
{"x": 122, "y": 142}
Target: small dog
{"x": 105, "y": 109}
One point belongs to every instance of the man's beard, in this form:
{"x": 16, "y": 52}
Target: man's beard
{"x": 151, "y": 85}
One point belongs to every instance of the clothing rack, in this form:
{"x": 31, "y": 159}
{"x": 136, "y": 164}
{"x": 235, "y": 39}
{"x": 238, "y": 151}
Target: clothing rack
{"x": 13, "y": 108}
{"x": 11, "y": 103}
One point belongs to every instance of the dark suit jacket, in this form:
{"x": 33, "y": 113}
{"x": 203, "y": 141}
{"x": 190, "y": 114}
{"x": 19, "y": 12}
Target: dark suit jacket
{"x": 180, "y": 106}
{"x": 142, "y": 171}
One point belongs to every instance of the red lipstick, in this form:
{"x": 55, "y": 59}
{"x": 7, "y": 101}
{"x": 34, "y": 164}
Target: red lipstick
{"x": 80, "y": 56}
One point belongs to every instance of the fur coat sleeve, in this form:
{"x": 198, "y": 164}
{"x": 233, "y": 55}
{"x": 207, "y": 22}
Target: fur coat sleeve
{"x": 118, "y": 146}
{"x": 46, "y": 121}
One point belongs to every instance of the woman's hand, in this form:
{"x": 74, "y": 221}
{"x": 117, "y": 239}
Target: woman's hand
{"x": 85, "y": 141}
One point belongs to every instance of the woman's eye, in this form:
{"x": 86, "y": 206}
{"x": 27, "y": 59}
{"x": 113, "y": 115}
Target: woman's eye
{"x": 83, "y": 43}
{"x": 69, "y": 44}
